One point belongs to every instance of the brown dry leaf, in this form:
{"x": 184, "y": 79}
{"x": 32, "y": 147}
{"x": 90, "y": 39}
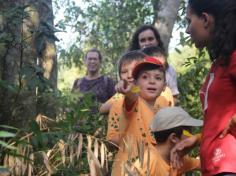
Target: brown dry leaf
{"x": 43, "y": 121}
{"x": 128, "y": 170}
{"x": 61, "y": 145}
{"x": 30, "y": 165}
{"x": 96, "y": 162}
{"x": 80, "y": 145}
{"x": 71, "y": 151}
{"x": 92, "y": 168}
{"x": 89, "y": 145}
{"x": 96, "y": 146}
{"x": 102, "y": 150}
{"x": 46, "y": 163}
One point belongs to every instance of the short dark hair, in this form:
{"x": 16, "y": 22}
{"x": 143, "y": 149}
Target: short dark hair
{"x": 148, "y": 67}
{"x": 94, "y": 50}
{"x": 134, "y": 44}
{"x": 162, "y": 136}
{"x": 129, "y": 57}
{"x": 223, "y": 40}
{"x": 153, "y": 50}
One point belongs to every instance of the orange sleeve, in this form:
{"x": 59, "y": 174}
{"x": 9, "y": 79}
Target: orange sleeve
{"x": 105, "y": 107}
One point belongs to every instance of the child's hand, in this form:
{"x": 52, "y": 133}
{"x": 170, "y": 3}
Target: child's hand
{"x": 123, "y": 87}
{"x": 180, "y": 149}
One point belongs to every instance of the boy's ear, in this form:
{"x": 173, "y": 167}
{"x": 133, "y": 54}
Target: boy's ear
{"x": 173, "y": 138}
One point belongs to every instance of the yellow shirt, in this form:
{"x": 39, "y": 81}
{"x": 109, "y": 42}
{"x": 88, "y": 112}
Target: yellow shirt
{"x": 132, "y": 127}
{"x": 156, "y": 166}
{"x": 167, "y": 94}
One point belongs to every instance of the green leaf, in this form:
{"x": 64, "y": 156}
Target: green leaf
{"x": 5, "y": 134}
{"x": 8, "y": 127}
{"x": 6, "y": 145}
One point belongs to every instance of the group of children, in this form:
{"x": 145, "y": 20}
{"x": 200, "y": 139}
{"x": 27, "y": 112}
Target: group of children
{"x": 143, "y": 122}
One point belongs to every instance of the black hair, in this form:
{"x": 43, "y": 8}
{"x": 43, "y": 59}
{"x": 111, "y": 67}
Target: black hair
{"x": 129, "y": 57}
{"x": 223, "y": 40}
{"x": 148, "y": 67}
{"x": 94, "y": 50}
{"x": 134, "y": 44}
{"x": 154, "y": 50}
{"x": 162, "y": 136}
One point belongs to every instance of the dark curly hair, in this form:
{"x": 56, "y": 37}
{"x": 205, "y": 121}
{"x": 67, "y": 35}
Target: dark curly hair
{"x": 223, "y": 40}
{"x": 134, "y": 44}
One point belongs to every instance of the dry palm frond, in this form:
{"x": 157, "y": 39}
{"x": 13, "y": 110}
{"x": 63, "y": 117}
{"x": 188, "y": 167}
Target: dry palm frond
{"x": 95, "y": 161}
{"x": 80, "y": 145}
{"x": 65, "y": 152}
{"x": 103, "y": 153}
{"x": 62, "y": 149}
{"x": 128, "y": 170}
{"x": 96, "y": 146}
{"x": 43, "y": 121}
{"x": 30, "y": 165}
{"x": 47, "y": 163}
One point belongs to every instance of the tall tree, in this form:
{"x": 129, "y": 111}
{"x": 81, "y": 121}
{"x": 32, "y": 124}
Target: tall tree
{"x": 26, "y": 41}
{"x": 165, "y": 18}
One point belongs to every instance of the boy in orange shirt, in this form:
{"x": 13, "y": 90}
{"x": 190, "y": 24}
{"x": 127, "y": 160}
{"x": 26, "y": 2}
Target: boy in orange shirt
{"x": 169, "y": 126}
{"x": 155, "y": 51}
{"x": 139, "y": 109}
{"x": 125, "y": 67}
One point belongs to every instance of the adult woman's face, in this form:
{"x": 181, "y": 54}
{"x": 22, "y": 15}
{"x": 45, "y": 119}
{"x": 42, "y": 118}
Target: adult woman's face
{"x": 199, "y": 27}
{"x": 147, "y": 38}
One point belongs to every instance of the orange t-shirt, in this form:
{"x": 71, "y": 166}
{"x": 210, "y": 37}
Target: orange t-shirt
{"x": 132, "y": 128}
{"x": 167, "y": 94}
{"x": 154, "y": 164}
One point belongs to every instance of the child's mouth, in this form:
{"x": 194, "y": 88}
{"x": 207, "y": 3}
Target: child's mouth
{"x": 151, "y": 89}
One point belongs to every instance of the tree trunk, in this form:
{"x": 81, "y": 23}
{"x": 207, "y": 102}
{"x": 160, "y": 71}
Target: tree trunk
{"x": 165, "y": 17}
{"x": 21, "y": 56}
{"x": 47, "y": 52}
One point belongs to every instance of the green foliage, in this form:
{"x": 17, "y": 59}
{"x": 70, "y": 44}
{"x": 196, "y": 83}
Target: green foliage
{"x": 74, "y": 115}
{"x": 105, "y": 25}
{"x": 191, "y": 80}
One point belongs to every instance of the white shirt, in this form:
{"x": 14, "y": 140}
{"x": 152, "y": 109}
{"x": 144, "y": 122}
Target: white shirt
{"x": 171, "y": 80}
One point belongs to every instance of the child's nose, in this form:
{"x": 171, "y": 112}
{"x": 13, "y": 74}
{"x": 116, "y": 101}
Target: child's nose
{"x": 152, "y": 80}
{"x": 130, "y": 74}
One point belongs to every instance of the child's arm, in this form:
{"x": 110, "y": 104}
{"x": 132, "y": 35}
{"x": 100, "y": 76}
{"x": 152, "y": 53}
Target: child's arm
{"x": 105, "y": 107}
{"x": 183, "y": 147}
{"x": 130, "y": 96}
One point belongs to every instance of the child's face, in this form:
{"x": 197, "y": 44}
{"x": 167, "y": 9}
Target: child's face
{"x": 126, "y": 71}
{"x": 151, "y": 84}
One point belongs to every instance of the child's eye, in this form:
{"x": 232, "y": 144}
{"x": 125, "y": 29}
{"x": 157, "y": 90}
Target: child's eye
{"x": 144, "y": 76}
{"x": 158, "y": 78}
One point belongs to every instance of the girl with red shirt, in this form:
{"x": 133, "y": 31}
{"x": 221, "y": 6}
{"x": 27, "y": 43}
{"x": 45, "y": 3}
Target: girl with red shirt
{"x": 212, "y": 24}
